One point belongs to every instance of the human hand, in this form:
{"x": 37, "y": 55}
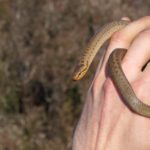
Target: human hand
{"x": 106, "y": 123}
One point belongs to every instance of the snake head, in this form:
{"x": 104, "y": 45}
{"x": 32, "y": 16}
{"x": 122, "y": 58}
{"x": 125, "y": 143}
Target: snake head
{"x": 80, "y": 71}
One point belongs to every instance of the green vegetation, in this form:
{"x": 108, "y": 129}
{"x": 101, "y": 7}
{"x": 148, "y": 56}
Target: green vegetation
{"x": 10, "y": 102}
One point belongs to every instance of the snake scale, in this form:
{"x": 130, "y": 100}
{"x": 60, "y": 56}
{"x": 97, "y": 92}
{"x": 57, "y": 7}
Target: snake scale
{"x": 114, "y": 64}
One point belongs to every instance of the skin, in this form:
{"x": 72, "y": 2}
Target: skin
{"x": 122, "y": 84}
{"x": 114, "y": 61}
{"x": 106, "y": 123}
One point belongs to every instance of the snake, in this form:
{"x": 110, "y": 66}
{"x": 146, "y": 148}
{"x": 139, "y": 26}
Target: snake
{"x": 114, "y": 66}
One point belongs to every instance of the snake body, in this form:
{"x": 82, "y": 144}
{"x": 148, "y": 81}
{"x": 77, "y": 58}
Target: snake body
{"x": 118, "y": 76}
{"x": 94, "y": 45}
{"x": 123, "y": 85}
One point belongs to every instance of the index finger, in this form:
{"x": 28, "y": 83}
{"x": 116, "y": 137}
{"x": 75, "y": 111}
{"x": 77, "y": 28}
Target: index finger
{"x": 124, "y": 38}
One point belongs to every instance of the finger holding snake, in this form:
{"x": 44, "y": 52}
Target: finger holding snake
{"x": 121, "y": 82}
{"x": 123, "y": 39}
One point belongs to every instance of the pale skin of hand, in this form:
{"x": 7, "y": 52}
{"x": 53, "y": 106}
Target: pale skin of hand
{"x": 106, "y": 123}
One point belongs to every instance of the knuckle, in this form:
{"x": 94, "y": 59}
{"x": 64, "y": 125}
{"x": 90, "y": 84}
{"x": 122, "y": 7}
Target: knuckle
{"x": 108, "y": 86}
{"x": 141, "y": 89}
{"x": 95, "y": 88}
{"x": 138, "y": 89}
{"x": 117, "y": 37}
{"x": 146, "y": 34}
{"x": 146, "y": 18}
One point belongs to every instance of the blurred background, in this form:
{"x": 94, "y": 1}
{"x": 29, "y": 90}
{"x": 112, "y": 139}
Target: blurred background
{"x": 40, "y": 43}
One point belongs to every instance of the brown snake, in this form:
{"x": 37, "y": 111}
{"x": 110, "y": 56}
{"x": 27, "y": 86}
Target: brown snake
{"x": 118, "y": 76}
